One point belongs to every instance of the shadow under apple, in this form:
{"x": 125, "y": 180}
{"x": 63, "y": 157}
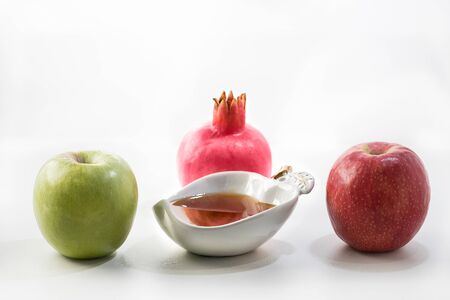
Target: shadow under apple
{"x": 332, "y": 251}
{"x": 34, "y": 258}
{"x": 153, "y": 256}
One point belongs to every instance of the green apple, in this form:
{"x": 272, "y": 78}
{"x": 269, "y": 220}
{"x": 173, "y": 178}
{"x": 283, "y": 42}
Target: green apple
{"x": 85, "y": 203}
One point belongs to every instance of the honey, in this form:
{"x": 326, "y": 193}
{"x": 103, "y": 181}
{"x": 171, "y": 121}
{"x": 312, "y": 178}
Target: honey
{"x": 215, "y": 209}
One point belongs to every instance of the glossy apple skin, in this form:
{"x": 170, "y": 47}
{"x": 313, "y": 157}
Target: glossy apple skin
{"x": 377, "y": 196}
{"x": 85, "y": 202}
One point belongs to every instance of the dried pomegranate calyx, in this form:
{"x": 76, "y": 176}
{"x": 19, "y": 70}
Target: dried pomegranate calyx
{"x": 229, "y": 113}
{"x": 230, "y": 100}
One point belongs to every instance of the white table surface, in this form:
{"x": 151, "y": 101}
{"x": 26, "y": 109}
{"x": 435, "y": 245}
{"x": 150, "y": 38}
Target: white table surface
{"x": 131, "y": 78}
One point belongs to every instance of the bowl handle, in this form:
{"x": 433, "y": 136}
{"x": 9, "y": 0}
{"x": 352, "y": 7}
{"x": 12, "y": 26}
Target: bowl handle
{"x": 304, "y": 182}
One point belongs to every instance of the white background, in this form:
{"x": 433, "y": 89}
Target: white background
{"x": 132, "y": 77}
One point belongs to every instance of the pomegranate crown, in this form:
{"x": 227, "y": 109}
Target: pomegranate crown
{"x": 229, "y": 113}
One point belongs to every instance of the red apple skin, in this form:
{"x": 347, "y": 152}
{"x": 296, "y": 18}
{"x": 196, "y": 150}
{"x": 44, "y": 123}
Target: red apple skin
{"x": 377, "y": 196}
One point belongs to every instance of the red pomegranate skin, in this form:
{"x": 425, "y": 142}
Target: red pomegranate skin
{"x": 225, "y": 144}
{"x": 377, "y": 196}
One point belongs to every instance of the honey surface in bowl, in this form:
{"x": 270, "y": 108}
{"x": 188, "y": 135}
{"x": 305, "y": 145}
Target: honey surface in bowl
{"x": 214, "y": 209}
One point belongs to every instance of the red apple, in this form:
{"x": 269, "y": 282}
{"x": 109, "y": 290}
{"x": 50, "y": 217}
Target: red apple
{"x": 377, "y": 196}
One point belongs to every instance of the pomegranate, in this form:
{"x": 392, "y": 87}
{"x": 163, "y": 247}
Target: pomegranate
{"x": 225, "y": 144}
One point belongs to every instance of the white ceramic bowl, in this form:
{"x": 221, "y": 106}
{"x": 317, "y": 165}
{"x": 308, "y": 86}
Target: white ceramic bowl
{"x": 241, "y": 236}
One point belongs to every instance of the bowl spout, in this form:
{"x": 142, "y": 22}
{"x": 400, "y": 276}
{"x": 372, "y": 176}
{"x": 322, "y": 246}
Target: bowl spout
{"x": 165, "y": 218}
